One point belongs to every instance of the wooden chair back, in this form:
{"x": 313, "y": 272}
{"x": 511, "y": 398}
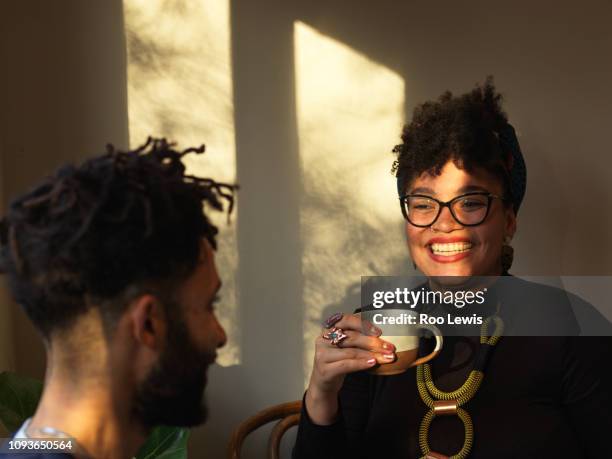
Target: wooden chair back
{"x": 287, "y": 414}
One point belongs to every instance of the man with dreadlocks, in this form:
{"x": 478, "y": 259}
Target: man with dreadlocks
{"x": 113, "y": 262}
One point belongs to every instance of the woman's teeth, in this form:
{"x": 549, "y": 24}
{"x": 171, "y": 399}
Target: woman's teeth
{"x": 453, "y": 248}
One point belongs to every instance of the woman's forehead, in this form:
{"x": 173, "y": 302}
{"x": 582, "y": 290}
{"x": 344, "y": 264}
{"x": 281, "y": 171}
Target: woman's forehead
{"x": 454, "y": 180}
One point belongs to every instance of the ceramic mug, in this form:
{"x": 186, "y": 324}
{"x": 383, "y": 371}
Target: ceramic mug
{"x": 405, "y": 338}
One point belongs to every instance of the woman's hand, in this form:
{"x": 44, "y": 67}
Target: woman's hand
{"x": 332, "y": 363}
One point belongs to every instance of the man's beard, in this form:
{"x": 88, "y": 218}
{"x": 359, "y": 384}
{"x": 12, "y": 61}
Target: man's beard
{"x": 172, "y": 394}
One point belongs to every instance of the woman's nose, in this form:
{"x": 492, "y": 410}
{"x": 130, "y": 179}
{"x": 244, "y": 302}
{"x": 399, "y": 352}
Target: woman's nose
{"x": 445, "y": 222}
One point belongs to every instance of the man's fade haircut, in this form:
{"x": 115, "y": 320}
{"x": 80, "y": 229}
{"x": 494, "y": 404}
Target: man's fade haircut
{"x": 463, "y": 129}
{"x": 89, "y": 233}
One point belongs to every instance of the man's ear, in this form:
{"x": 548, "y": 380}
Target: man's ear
{"x": 148, "y": 321}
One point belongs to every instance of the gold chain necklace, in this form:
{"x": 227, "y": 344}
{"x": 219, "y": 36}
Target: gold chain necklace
{"x": 442, "y": 403}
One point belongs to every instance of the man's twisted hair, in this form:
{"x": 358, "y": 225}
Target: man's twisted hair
{"x": 463, "y": 129}
{"x": 89, "y": 232}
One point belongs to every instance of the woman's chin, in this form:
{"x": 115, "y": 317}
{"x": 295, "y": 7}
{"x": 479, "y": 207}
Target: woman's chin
{"x": 457, "y": 269}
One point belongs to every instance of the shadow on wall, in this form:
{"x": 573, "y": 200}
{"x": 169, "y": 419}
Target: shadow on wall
{"x": 180, "y": 86}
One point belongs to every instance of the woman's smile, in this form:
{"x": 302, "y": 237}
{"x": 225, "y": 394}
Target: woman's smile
{"x": 449, "y": 249}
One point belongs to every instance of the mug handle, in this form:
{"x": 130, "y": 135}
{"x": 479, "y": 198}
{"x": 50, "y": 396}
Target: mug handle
{"x": 439, "y": 340}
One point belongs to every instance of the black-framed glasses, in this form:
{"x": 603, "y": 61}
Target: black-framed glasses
{"x": 468, "y": 209}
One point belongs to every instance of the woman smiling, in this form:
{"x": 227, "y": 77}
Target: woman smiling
{"x": 461, "y": 179}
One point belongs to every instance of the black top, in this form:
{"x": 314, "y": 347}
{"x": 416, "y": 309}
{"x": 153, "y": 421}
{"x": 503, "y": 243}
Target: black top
{"x": 542, "y": 397}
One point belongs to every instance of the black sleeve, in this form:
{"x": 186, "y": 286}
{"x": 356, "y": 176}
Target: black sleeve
{"x": 355, "y": 407}
{"x": 343, "y": 438}
{"x": 314, "y": 441}
{"x": 587, "y": 391}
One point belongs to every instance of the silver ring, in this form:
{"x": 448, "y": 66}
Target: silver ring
{"x": 335, "y": 336}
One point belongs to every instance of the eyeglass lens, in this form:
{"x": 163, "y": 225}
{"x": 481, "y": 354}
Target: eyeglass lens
{"x": 467, "y": 210}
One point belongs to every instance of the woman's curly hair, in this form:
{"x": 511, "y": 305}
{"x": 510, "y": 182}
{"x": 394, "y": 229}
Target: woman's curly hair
{"x": 88, "y": 232}
{"x": 463, "y": 129}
